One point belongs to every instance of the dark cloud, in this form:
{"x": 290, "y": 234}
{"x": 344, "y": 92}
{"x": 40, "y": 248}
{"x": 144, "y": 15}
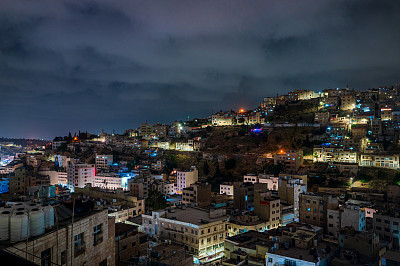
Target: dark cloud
{"x": 70, "y": 65}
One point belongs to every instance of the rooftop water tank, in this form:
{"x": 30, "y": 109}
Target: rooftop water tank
{"x": 48, "y": 216}
{"x": 19, "y": 226}
{"x": 5, "y": 216}
{"x": 36, "y": 222}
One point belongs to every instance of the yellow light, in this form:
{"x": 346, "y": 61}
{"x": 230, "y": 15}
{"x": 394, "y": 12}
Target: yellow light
{"x": 241, "y": 110}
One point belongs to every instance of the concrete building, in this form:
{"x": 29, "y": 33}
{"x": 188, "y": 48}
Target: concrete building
{"x": 365, "y": 243}
{"x": 129, "y": 243}
{"x": 202, "y": 232}
{"x": 122, "y": 214}
{"x": 198, "y": 194}
{"x": 345, "y": 216}
{"x": 165, "y": 187}
{"x": 387, "y": 227}
{"x": 146, "y": 131}
{"x": 89, "y": 240}
{"x": 271, "y": 181}
{"x": 353, "y": 216}
{"x": 17, "y": 181}
{"x": 104, "y": 161}
{"x": 110, "y": 181}
{"x": 314, "y": 207}
{"x": 267, "y": 207}
{"x": 226, "y": 188}
{"x": 292, "y": 160}
{"x": 348, "y": 102}
{"x": 307, "y": 250}
{"x": 118, "y": 198}
{"x": 289, "y": 190}
{"x": 161, "y": 130}
{"x": 186, "y": 178}
{"x": 322, "y": 118}
{"x": 391, "y": 257}
{"x": 248, "y": 248}
{"x": 139, "y": 187}
{"x": 239, "y": 224}
{"x": 223, "y": 118}
{"x": 170, "y": 254}
{"x": 243, "y": 196}
{"x": 80, "y": 174}
{"x": 383, "y": 160}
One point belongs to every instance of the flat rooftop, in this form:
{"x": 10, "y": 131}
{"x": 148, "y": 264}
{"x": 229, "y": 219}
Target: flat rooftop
{"x": 194, "y": 216}
{"x": 304, "y": 254}
{"x": 123, "y": 228}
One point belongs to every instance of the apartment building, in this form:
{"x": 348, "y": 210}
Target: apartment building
{"x": 289, "y": 190}
{"x": 322, "y": 118}
{"x": 384, "y": 161}
{"x": 186, "y": 178}
{"x": 387, "y": 227}
{"x": 348, "y": 102}
{"x": 239, "y": 224}
{"x": 80, "y": 174}
{"x": 129, "y": 243}
{"x": 243, "y": 196}
{"x": 267, "y": 207}
{"x": 198, "y": 194}
{"x": 313, "y": 208}
{"x": 223, "y": 119}
{"x": 292, "y": 160}
{"x": 104, "y": 161}
{"x": 345, "y": 216}
{"x": 108, "y": 181}
{"x": 202, "y": 232}
{"x": 226, "y": 188}
{"x": 271, "y": 181}
{"x": 89, "y": 240}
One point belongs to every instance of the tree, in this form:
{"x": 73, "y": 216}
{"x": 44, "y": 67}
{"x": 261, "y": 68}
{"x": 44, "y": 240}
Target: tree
{"x": 230, "y": 164}
{"x": 156, "y": 200}
{"x": 206, "y": 168}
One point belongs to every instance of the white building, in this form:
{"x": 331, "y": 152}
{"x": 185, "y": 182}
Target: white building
{"x": 226, "y": 189}
{"x": 186, "y": 178}
{"x": 384, "y": 161}
{"x": 353, "y": 216}
{"x": 271, "y": 181}
{"x": 56, "y": 177}
{"x": 108, "y": 181}
{"x": 80, "y": 174}
{"x": 348, "y": 216}
{"x": 103, "y": 161}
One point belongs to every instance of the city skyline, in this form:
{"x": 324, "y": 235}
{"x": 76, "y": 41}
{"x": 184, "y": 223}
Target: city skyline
{"x": 96, "y": 65}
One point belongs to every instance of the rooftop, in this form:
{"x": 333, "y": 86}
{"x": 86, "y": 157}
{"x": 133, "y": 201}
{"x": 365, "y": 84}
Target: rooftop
{"x": 123, "y": 228}
{"x": 306, "y": 254}
{"x": 194, "y": 216}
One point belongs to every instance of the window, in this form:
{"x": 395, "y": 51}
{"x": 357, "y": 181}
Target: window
{"x": 79, "y": 244}
{"x": 63, "y": 257}
{"x": 97, "y": 234}
{"x": 45, "y": 257}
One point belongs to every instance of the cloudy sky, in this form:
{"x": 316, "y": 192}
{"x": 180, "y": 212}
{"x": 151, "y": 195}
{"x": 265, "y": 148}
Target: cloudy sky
{"x": 93, "y": 65}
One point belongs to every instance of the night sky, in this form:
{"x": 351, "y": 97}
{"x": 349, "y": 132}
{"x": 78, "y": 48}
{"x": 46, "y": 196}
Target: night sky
{"x": 93, "y": 65}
